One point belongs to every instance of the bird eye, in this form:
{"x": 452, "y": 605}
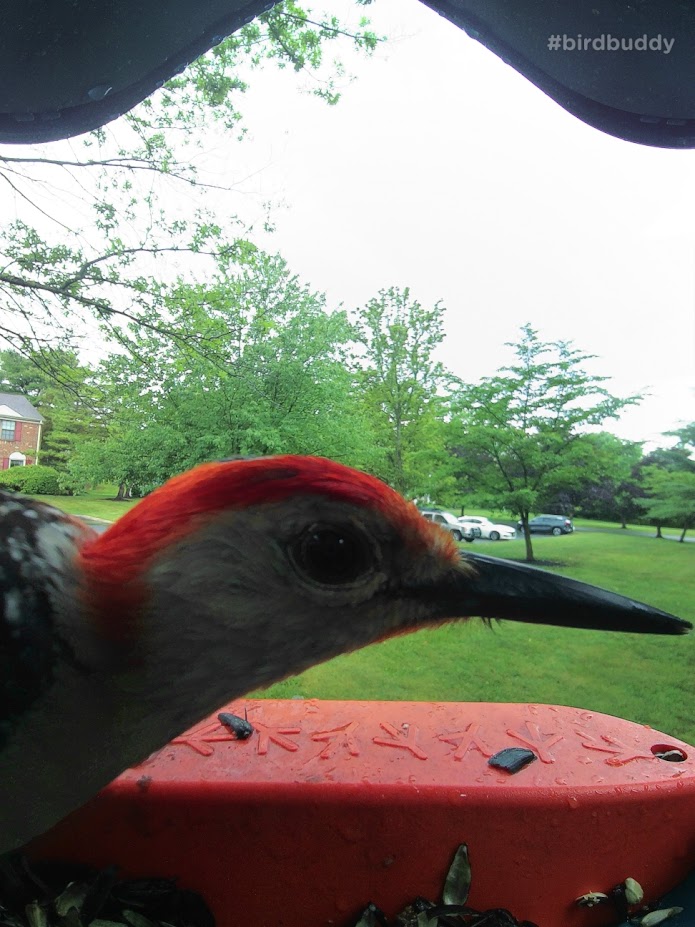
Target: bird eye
{"x": 332, "y": 556}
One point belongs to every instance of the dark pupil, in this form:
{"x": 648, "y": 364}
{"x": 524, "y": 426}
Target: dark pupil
{"x": 332, "y": 556}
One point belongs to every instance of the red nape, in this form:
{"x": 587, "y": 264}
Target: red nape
{"x": 173, "y": 511}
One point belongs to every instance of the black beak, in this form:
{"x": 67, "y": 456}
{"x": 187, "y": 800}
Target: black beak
{"x": 515, "y": 591}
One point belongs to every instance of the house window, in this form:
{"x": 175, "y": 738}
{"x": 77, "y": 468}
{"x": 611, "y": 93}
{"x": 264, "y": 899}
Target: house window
{"x": 17, "y": 463}
{"x": 7, "y": 430}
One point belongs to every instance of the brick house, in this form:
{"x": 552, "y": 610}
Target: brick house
{"x": 20, "y": 431}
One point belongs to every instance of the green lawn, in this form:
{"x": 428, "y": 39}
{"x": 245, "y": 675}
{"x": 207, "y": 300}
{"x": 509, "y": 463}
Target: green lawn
{"x": 615, "y": 526}
{"x": 98, "y": 503}
{"x": 643, "y": 678}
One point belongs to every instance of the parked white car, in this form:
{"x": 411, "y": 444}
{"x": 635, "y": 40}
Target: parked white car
{"x": 450, "y": 522}
{"x": 488, "y": 529}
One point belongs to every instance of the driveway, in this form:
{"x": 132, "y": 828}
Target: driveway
{"x": 98, "y": 524}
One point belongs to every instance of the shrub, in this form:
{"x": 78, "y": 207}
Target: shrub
{"x": 70, "y": 485}
{"x": 36, "y": 480}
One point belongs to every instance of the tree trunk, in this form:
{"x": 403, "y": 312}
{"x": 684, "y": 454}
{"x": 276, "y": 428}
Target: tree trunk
{"x": 527, "y": 537}
{"x": 623, "y": 522}
{"x": 658, "y": 531}
{"x": 685, "y": 528}
{"x": 398, "y": 459}
{"x": 120, "y": 495}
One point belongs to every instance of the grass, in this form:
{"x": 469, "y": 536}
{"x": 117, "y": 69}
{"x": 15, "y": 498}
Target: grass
{"x": 97, "y": 503}
{"x": 616, "y": 526}
{"x": 639, "y": 677}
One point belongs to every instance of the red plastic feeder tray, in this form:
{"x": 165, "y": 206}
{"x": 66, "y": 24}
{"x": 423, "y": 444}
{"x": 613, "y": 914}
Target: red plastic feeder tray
{"x": 330, "y": 805}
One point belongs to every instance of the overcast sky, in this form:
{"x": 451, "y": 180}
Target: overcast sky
{"x": 444, "y": 170}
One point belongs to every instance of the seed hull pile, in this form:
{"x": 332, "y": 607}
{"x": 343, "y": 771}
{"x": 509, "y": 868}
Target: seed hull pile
{"x": 59, "y": 895}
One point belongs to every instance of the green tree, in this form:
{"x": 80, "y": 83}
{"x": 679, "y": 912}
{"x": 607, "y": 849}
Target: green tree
{"x": 523, "y": 432}
{"x": 269, "y": 375}
{"x": 686, "y": 440}
{"x": 115, "y": 259}
{"x": 669, "y": 460}
{"x": 403, "y": 388}
{"x": 671, "y": 498}
{"x": 659, "y": 473}
{"x": 604, "y": 486}
{"x": 63, "y": 391}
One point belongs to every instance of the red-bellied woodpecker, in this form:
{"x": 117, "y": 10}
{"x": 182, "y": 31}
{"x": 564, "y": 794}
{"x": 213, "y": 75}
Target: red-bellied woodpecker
{"x": 227, "y": 578}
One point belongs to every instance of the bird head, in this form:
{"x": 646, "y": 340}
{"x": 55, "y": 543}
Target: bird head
{"x": 264, "y": 567}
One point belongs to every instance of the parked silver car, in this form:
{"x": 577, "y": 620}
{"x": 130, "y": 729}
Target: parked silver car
{"x": 549, "y": 524}
{"x": 451, "y": 523}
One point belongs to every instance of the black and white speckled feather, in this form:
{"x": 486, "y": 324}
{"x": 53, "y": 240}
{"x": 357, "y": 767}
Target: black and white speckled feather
{"x": 37, "y": 546}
